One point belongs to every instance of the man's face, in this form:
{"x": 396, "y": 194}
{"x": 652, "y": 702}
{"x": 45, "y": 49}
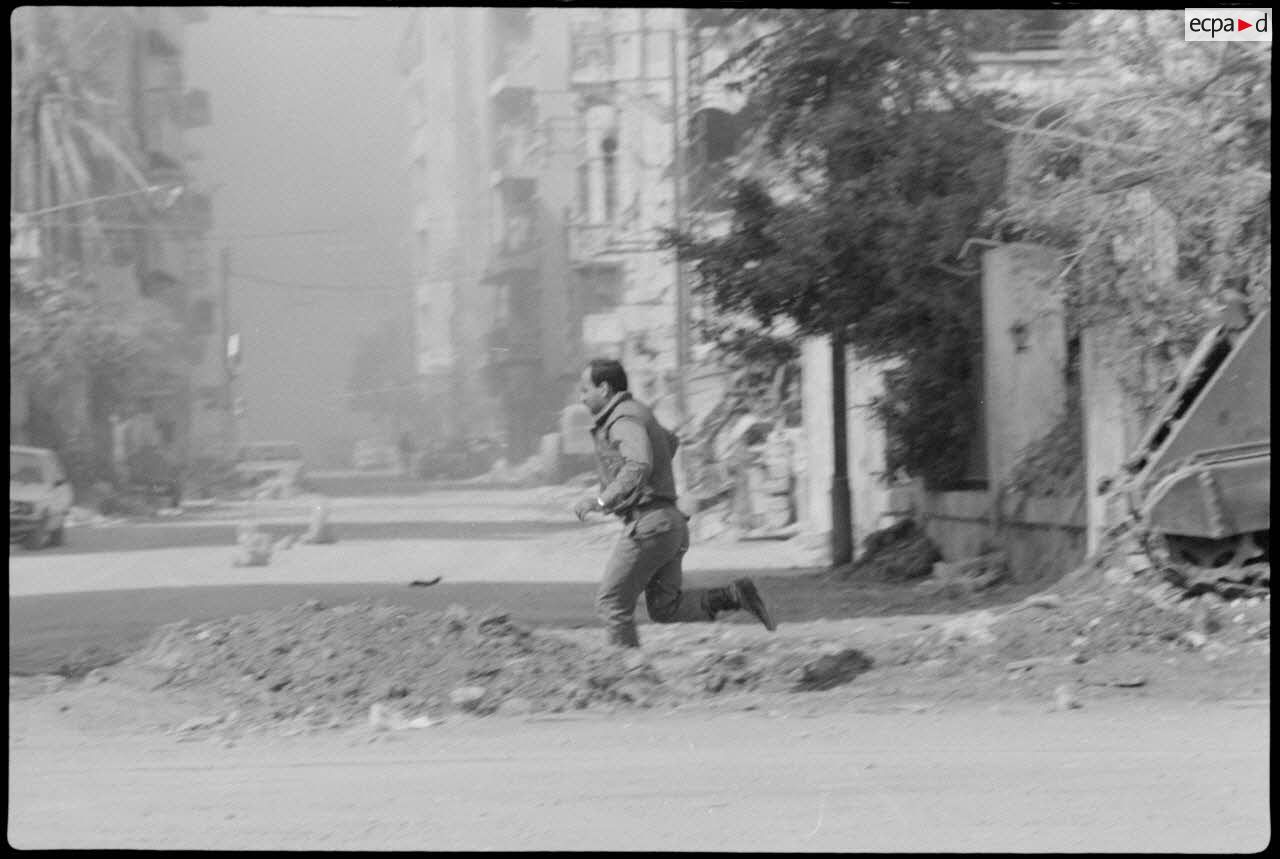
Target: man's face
{"x": 594, "y": 397}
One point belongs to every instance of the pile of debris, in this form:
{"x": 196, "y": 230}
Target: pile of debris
{"x": 1118, "y": 602}
{"x": 900, "y": 552}
{"x": 329, "y": 665}
{"x": 310, "y": 666}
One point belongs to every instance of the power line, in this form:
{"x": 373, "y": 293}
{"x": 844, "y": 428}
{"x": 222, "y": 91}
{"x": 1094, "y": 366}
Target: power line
{"x": 353, "y": 290}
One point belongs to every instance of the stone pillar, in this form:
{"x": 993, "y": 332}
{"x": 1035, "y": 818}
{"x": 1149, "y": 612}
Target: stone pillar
{"x": 1109, "y": 428}
{"x": 815, "y": 358}
{"x": 867, "y": 485}
{"x": 1025, "y": 352}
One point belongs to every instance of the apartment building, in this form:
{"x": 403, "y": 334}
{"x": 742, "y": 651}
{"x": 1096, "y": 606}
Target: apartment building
{"x": 134, "y": 58}
{"x": 489, "y": 194}
{"x": 548, "y": 148}
{"x": 172, "y": 259}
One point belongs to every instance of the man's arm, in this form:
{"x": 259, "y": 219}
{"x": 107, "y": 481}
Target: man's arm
{"x": 637, "y": 461}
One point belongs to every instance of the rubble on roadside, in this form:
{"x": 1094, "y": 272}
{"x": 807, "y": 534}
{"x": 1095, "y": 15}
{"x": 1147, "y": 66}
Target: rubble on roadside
{"x": 899, "y": 552}
{"x": 312, "y": 666}
{"x": 391, "y": 667}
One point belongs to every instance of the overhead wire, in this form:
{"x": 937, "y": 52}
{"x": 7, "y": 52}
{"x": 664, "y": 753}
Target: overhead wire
{"x": 355, "y": 290}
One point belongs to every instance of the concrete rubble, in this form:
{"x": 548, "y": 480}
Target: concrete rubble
{"x": 312, "y": 666}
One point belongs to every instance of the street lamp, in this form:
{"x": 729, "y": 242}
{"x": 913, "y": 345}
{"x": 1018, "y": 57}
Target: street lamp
{"x": 167, "y": 196}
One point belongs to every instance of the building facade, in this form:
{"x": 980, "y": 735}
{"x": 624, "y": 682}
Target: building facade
{"x": 489, "y": 197}
{"x": 549, "y": 148}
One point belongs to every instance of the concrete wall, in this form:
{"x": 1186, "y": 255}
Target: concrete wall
{"x": 1025, "y": 394}
{"x": 1111, "y": 428}
{"x": 1043, "y": 537}
{"x": 815, "y": 394}
{"x": 868, "y": 488}
{"x": 868, "y": 483}
{"x": 1025, "y": 389}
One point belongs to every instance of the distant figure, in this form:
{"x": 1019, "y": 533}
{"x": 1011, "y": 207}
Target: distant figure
{"x": 634, "y": 460}
{"x": 253, "y": 546}
{"x": 406, "y": 454}
{"x": 320, "y": 531}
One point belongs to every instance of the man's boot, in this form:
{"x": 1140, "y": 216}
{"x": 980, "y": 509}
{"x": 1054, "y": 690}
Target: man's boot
{"x": 750, "y": 600}
{"x": 742, "y": 595}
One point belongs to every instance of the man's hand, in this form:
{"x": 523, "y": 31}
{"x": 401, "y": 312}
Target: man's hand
{"x": 585, "y": 506}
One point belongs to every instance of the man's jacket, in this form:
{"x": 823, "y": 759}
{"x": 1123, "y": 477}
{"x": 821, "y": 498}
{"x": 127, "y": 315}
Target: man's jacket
{"x": 633, "y": 456}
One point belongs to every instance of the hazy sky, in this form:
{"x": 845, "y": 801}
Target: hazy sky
{"x": 308, "y": 134}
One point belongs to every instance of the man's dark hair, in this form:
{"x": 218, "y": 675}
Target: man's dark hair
{"x": 608, "y": 370}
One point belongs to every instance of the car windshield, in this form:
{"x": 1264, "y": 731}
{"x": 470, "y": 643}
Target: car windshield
{"x": 285, "y": 452}
{"x": 25, "y": 468}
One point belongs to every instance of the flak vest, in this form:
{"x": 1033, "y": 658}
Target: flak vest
{"x": 660, "y": 485}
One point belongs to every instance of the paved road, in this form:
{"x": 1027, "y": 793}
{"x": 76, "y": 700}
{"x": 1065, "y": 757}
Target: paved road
{"x": 464, "y": 536}
{"x": 1122, "y": 777}
{"x": 188, "y": 533}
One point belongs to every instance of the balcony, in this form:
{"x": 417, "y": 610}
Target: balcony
{"x": 161, "y": 45}
{"x": 516, "y": 256}
{"x": 519, "y": 187}
{"x": 517, "y": 267}
{"x": 514, "y": 20}
{"x": 590, "y": 52}
{"x": 514, "y": 80}
{"x": 163, "y": 169}
{"x": 592, "y": 245}
{"x": 517, "y": 159}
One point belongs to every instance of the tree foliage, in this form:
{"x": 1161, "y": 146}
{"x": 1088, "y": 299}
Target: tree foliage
{"x": 57, "y": 331}
{"x": 382, "y": 381}
{"x": 1153, "y": 177}
{"x": 874, "y": 160}
{"x": 69, "y": 138}
{"x": 71, "y": 142}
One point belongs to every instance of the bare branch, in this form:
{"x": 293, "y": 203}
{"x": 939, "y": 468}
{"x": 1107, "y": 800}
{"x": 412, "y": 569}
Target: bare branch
{"x": 1087, "y": 141}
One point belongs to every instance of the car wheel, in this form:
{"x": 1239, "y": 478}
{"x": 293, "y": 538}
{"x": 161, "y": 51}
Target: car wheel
{"x": 57, "y": 537}
{"x": 38, "y": 536}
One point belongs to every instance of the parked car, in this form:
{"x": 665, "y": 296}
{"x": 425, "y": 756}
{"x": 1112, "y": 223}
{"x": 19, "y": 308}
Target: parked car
{"x": 262, "y": 460}
{"x": 371, "y": 454}
{"x": 39, "y": 497}
{"x": 154, "y": 475}
{"x": 458, "y": 458}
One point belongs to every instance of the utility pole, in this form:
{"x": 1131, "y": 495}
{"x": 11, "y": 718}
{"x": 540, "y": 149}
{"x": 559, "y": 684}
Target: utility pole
{"x": 677, "y": 212}
{"x": 228, "y": 369}
{"x": 841, "y": 501}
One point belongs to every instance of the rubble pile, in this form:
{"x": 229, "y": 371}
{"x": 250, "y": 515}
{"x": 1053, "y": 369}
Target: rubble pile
{"x": 900, "y": 552}
{"x": 1119, "y": 602}
{"x": 329, "y": 665}
{"x": 311, "y": 666}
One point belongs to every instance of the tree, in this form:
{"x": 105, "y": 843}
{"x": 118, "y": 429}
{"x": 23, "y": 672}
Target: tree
{"x": 71, "y": 145}
{"x": 59, "y": 335}
{"x": 1154, "y": 180}
{"x": 382, "y": 381}
{"x": 874, "y": 160}
{"x": 69, "y": 138}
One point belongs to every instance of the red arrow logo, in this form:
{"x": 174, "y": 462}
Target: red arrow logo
{"x": 1244, "y": 25}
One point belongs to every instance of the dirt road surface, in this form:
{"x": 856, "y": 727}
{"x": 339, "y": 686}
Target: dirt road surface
{"x": 1118, "y": 776}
